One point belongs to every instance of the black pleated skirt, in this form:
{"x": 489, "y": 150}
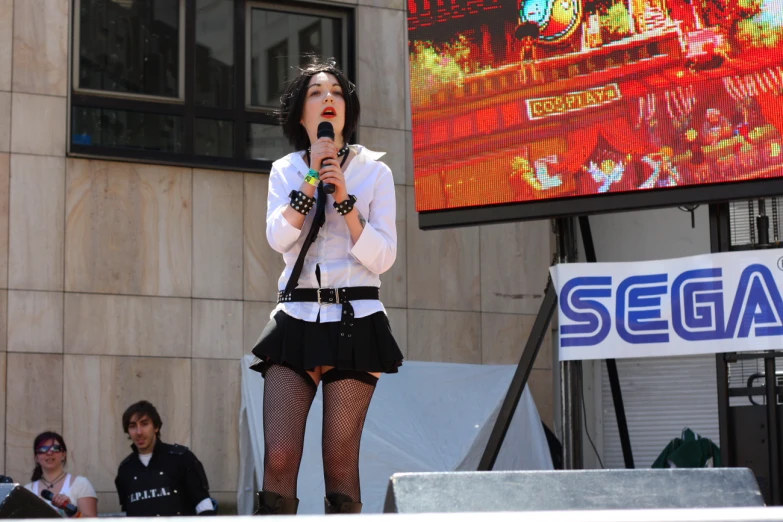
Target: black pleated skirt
{"x": 304, "y": 345}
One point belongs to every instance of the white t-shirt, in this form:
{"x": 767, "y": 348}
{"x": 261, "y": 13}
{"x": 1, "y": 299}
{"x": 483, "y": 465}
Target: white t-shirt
{"x": 145, "y": 459}
{"x": 73, "y": 488}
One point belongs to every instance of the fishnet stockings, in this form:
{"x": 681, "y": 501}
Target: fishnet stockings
{"x": 288, "y": 396}
{"x": 346, "y": 401}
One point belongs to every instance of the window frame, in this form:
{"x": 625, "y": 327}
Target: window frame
{"x": 75, "y": 65}
{"x": 286, "y": 7}
{"x": 240, "y": 116}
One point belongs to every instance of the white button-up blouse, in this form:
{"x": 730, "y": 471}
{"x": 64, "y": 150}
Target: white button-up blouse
{"x": 342, "y": 263}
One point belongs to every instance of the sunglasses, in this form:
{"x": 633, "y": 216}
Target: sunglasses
{"x": 43, "y": 450}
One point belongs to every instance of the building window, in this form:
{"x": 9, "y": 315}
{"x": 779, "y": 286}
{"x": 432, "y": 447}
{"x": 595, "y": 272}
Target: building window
{"x": 277, "y": 63}
{"x": 193, "y": 82}
{"x": 130, "y": 46}
{"x": 214, "y": 50}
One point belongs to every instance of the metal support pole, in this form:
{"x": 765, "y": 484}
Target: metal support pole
{"x": 572, "y": 419}
{"x": 611, "y": 364}
{"x": 570, "y": 371}
{"x": 772, "y": 429}
{"x": 519, "y": 381}
{"x": 722, "y": 374}
{"x": 720, "y": 241}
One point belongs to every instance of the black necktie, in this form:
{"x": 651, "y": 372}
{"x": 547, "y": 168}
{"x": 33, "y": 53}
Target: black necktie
{"x": 318, "y": 222}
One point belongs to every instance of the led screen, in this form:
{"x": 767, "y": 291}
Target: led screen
{"x": 524, "y": 101}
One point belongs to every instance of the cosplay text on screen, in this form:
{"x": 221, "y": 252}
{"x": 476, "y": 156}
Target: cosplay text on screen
{"x": 517, "y": 101}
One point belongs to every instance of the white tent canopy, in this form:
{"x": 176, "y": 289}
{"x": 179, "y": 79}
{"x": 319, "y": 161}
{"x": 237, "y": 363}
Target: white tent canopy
{"x": 428, "y": 417}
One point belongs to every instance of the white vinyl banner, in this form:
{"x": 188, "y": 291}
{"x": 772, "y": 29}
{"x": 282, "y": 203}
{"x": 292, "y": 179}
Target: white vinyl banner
{"x": 729, "y": 302}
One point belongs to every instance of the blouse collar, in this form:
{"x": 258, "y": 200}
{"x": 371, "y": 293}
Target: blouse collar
{"x": 363, "y": 155}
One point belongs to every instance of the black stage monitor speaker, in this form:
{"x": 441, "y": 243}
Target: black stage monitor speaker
{"x": 17, "y": 502}
{"x": 571, "y": 490}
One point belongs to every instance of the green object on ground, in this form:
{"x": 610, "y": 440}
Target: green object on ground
{"x": 689, "y": 451}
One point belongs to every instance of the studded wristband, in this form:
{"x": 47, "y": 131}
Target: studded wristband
{"x": 301, "y": 202}
{"x": 346, "y": 206}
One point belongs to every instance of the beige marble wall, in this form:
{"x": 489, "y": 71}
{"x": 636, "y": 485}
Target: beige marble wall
{"x": 122, "y": 281}
{"x": 6, "y": 58}
{"x": 129, "y": 228}
{"x": 40, "y": 46}
{"x": 35, "y": 233}
{"x": 6, "y": 44}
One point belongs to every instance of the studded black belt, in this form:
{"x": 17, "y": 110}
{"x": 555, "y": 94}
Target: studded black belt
{"x": 342, "y": 296}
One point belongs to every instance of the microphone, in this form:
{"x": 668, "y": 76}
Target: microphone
{"x": 69, "y": 509}
{"x": 325, "y": 130}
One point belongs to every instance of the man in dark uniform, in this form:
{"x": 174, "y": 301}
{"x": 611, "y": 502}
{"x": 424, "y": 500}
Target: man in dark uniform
{"x": 159, "y": 479}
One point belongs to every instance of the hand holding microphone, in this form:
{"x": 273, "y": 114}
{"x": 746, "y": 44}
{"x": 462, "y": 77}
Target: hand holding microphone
{"x": 61, "y": 502}
{"x": 331, "y": 172}
{"x": 326, "y": 130}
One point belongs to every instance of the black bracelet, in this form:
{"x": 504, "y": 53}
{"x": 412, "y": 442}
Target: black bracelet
{"x": 301, "y": 202}
{"x": 346, "y": 206}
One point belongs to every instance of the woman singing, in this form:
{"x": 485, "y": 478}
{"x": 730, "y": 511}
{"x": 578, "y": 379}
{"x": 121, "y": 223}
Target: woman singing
{"x": 49, "y": 474}
{"x": 329, "y": 325}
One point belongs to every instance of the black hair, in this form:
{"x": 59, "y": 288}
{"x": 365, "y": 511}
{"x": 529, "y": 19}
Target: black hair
{"x": 141, "y": 409}
{"x": 292, "y": 103}
{"x": 39, "y": 440}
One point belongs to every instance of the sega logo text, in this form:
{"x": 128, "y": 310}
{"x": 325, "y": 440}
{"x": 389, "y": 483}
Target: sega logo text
{"x": 650, "y": 309}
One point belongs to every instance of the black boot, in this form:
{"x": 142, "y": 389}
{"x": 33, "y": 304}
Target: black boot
{"x": 339, "y": 503}
{"x": 273, "y": 504}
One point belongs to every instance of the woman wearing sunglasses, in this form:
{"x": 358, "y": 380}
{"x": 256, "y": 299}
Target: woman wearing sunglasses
{"x": 49, "y": 474}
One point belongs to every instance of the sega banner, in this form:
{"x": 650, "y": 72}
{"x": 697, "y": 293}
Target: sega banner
{"x": 729, "y": 302}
